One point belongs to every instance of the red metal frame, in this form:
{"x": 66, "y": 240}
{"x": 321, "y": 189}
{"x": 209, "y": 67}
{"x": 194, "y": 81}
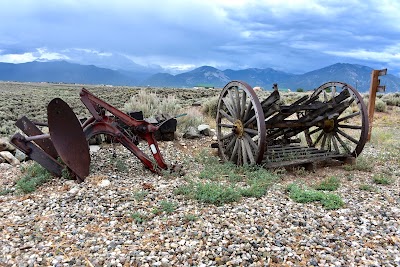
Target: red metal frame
{"x": 103, "y": 124}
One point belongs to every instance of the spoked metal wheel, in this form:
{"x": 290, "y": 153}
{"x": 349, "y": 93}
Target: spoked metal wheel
{"x": 345, "y": 132}
{"x": 240, "y": 125}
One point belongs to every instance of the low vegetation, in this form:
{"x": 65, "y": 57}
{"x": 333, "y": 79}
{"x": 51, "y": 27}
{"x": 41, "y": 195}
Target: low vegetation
{"x": 303, "y": 194}
{"x": 381, "y": 179}
{"x": 363, "y": 163}
{"x": 330, "y": 184}
{"x": 367, "y": 187}
{"x": 220, "y": 183}
{"x": 34, "y": 176}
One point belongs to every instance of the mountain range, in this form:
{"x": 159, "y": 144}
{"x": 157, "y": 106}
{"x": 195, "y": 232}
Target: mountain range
{"x": 61, "y": 71}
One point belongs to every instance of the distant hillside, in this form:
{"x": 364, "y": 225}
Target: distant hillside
{"x": 356, "y": 75}
{"x": 61, "y": 71}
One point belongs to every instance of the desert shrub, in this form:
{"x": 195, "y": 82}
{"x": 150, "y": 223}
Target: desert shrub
{"x": 193, "y": 118}
{"x": 392, "y": 99}
{"x": 300, "y": 90}
{"x": 210, "y": 107}
{"x": 380, "y": 105}
{"x": 152, "y": 104}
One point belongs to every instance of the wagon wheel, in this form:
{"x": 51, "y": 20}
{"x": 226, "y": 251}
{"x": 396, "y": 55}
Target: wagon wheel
{"x": 240, "y": 125}
{"x": 345, "y": 133}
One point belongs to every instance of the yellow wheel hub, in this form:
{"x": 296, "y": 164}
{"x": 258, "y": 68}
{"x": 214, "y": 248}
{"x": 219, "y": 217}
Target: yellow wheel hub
{"x": 238, "y": 128}
{"x": 329, "y": 125}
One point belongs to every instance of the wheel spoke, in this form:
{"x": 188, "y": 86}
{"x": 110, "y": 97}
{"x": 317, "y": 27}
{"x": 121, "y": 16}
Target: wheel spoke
{"x": 318, "y": 138}
{"x": 231, "y": 143}
{"x": 225, "y": 125}
{"x": 239, "y": 160}
{"x": 249, "y": 152}
{"x": 243, "y": 109}
{"x": 343, "y": 144}
{"x": 229, "y": 118}
{"x": 228, "y": 106}
{"x": 347, "y": 136}
{"x": 355, "y": 127}
{"x": 349, "y": 116}
{"x": 251, "y": 141}
{"x": 251, "y": 131}
{"x": 323, "y": 141}
{"x": 250, "y": 120}
{"x": 244, "y": 151}
{"x": 335, "y": 145}
{"x": 246, "y": 114}
{"x": 314, "y": 131}
{"x": 232, "y": 104}
{"x": 239, "y": 111}
{"x": 235, "y": 149}
{"x": 227, "y": 136}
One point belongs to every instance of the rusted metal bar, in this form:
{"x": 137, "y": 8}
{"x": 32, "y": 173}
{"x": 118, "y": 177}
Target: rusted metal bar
{"x": 372, "y": 97}
{"x": 37, "y": 154}
{"x": 30, "y": 129}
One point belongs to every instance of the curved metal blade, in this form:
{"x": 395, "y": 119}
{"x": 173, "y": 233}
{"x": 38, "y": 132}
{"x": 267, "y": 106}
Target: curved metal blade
{"x": 68, "y": 137}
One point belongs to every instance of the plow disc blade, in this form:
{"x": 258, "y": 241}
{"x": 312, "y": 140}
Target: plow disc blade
{"x": 68, "y": 138}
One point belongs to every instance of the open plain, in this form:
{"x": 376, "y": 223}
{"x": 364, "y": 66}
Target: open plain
{"x": 124, "y": 215}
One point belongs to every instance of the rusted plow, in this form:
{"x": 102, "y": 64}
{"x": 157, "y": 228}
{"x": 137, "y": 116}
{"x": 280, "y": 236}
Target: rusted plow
{"x": 331, "y": 123}
{"x": 65, "y": 148}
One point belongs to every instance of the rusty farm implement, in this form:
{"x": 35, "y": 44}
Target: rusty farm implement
{"x": 67, "y": 141}
{"x": 331, "y": 123}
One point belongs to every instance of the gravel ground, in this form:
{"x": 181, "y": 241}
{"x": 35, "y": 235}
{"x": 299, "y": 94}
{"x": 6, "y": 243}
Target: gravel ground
{"x": 91, "y": 224}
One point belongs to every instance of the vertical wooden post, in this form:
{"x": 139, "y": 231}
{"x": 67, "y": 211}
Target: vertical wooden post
{"x": 374, "y": 87}
{"x": 372, "y": 98}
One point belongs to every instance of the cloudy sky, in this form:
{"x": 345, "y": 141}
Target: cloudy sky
{"x": 292, "y": 35}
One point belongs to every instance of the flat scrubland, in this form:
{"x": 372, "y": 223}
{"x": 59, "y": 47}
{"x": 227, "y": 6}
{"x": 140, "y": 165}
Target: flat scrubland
{"x": 214, "y": 214}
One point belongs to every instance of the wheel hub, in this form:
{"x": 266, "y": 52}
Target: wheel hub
{"x": 328, "y": 125}
{"x": 238, "y": 128}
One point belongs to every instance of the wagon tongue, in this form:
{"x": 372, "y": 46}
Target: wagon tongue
{"x": 68, "y": 138}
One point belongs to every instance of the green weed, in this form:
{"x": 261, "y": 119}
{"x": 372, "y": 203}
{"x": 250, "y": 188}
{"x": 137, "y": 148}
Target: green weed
{"x": 302, "y": 194}
{"x": 138, "y": 217}
{"x": 119, "y": 164}
{"x": 367, "y": 187}
{"x": 362, "y": 164}
{"x": 190, "y": 217}
{"x": 330, "y": 184}
{"x": 140, "y": 194}
{"x": 4, "y": 192}
{"x": 34, "y": 176}
{"x": 216, "y": 193}
{"x": 381, "y": 179}
{"x": 167, "y": 207}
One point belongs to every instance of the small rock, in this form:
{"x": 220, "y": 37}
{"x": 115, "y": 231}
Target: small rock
{"x": 94, "y": 148}
{"x": 191, "y": 133}
{"x": 5, "y": 145}
{"x": 104, "y": 183}
{"x": 74, "y": 190}
{"x": 203, "y": 127}
{"x": 20, "y": 155}
{"x": 10, "y": 158}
